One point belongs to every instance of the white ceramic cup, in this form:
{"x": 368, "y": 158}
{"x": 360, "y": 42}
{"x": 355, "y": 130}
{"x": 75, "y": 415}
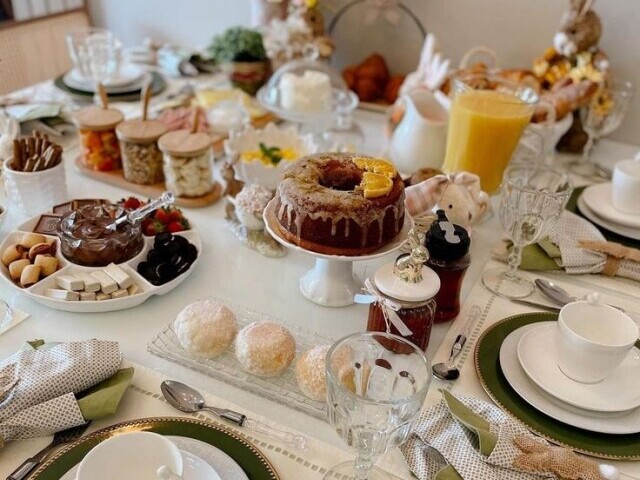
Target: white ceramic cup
{"x": 625, "y": 191}
{"x": 36, "y": 192}
{"x": 136, "y": 455}
{"x": 594, "y": 340}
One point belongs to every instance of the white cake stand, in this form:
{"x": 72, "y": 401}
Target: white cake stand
{"x": 331, "y": 282}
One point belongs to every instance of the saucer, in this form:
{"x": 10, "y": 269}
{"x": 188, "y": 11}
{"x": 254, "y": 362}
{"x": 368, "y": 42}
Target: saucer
{"x": 617, "y": 423}
{"x": 628, "y": 232}
{"x": 619, "y": 392}
{"x": 598, "y": 198}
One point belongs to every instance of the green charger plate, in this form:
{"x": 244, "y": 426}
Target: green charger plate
{"x": 250, "y": 459}
{"x": 487, "y": 360}
{"x": 158, "y": 84}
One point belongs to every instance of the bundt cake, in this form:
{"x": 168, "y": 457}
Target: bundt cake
{"x": 340, "y": 203}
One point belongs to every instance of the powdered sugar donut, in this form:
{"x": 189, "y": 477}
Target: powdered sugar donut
{"x": 205, "y": 328}
{"x": 311, "y": 373}
{"x": 265, "y": 349}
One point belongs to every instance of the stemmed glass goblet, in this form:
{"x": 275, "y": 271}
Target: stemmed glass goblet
{"x": 602, "y": 116}
{"x": 533, "y": 198}
{"x": 376, "y": 385}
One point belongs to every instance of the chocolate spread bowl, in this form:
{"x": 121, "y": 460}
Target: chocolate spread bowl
{"x": 86, "y": 240}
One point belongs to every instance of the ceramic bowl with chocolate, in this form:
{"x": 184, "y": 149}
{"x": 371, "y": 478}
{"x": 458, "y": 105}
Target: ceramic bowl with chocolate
{"x": 71, "y": 259}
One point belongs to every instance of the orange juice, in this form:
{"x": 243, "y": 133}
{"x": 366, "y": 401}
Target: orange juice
{"x": 484, "y": 129}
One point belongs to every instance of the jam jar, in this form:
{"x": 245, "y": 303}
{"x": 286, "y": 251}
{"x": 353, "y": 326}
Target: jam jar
{"x": 404, "y": 292}
{"x": 98, "y": 141}
{"x": 188, "y": 164}
{"x": 448, "y": 246}
{"x": 141, "y": 157}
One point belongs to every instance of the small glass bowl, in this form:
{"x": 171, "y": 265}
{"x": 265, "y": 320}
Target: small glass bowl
{"x": 85, "y": 239}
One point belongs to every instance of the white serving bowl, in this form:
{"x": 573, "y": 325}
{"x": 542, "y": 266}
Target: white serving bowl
{"x": 249, "y": 139}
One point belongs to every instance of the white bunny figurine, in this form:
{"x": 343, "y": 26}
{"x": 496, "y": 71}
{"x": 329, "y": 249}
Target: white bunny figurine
{"x": 459, "y": 195}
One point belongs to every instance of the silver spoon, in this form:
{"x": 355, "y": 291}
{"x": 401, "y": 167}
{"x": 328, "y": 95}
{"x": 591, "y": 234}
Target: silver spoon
{"x": 561, "y": 297}
{"x": 135, "y": 216}
{"x": 189, "y": 400}
{"x": 447, "y": 370}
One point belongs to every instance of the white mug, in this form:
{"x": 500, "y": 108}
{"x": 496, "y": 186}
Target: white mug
{"x": 139, "y": 455}
{"x": 594, "y": 340}
{"x": 625, "y": 191}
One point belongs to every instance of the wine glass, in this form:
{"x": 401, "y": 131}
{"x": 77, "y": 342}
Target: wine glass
{"x": 96, "y": 54}
{"x": 533, "y": 197}
{"x": 602, "y": 116}
{"x": 376, "y": 385}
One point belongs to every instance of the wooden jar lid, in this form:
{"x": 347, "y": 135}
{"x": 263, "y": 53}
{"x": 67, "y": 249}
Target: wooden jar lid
{"x": 141, "y": 131}
{"x": 95, "y": 118}
{"x": 183, "y": 142}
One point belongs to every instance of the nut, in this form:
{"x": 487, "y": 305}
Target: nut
{"x": 39, "y": 249}
{"x": 30, "y": 239}
{"x": 48, "y": 264}
{"x": 30, "y": 275}
{"x": 16, "y": 268}
{"x": 11, "y": 253}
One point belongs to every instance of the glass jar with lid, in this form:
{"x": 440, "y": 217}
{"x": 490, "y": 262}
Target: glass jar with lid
{"x": 188, "y": 166}
{"x": 404, "y": 297}
{"x": 448, "y": 246}
{"x": 98, "y": 141}
{"x": 141, "y": 156}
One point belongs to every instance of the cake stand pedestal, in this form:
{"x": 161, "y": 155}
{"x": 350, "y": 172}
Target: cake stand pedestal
{"x": 331, "y": 282}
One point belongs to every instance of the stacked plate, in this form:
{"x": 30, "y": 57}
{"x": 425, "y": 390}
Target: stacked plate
{"x": 126, "y": 87}
{"x": 529, "y": 361}
{"x": 595, "y": 204}
{"x": 130, "y": 79}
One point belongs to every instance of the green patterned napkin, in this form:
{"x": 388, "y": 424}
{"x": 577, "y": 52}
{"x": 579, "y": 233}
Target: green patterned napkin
{"x": 478, "y": 440}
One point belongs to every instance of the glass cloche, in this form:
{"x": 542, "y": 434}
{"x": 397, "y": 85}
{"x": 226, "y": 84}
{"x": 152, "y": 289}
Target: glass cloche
{"x": 307, "y": 91}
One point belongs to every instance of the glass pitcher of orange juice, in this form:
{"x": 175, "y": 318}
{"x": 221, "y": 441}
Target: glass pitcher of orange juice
{"x": 488, "y": 115}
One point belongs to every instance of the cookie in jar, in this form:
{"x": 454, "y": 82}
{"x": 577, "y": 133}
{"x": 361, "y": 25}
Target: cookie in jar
{"x": 142, "y": 161}
{"x": 98, "y": 141}
{"x": 188, "y": 165}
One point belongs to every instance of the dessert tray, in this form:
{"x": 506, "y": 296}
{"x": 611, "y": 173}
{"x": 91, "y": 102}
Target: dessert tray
{"x": 66, "y": 267}
{"x": 331, "y": 282}
{"x": 282, "y": 390}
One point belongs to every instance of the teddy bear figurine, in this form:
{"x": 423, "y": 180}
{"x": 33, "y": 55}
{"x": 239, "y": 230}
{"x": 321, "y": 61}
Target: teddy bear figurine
{"x": 458, "y": 194}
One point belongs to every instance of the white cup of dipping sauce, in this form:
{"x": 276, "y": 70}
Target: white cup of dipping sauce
{"x": 594, "y": 340}
{"x": 625, "y": 191}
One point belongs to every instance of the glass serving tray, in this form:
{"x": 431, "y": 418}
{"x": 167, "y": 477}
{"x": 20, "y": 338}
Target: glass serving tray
{"x": 282, "y": 390}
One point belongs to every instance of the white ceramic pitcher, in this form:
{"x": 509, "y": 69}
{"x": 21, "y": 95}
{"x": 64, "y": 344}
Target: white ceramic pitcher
{"x": 420, "y": 139}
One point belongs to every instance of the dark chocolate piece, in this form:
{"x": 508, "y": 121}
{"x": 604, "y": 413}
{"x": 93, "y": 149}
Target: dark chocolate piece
{"x": 62, "y": 208}
{"x": 47, "y": 225}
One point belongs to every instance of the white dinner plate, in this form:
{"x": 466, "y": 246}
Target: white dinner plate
{"x": 129, "y": 74}
{"x": 633, "y": 233}
{"x": 201, "y": 462}
{"x": 601, "y": 422}
{"x": 538, "y": 355}
{"x": 598, "y": 198}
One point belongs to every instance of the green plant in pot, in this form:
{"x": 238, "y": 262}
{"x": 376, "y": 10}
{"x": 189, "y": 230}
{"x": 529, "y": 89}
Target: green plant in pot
{"x": 241, "y": 53}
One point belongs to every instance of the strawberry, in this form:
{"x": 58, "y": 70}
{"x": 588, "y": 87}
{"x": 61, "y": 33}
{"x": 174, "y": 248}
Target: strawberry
{"x": 154, "y": 228}
{"x": 174, "y": 227}
{"x": 131, "y": 203}
{"x": 161, "y": 215}
{"x": 175, "y": 214}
